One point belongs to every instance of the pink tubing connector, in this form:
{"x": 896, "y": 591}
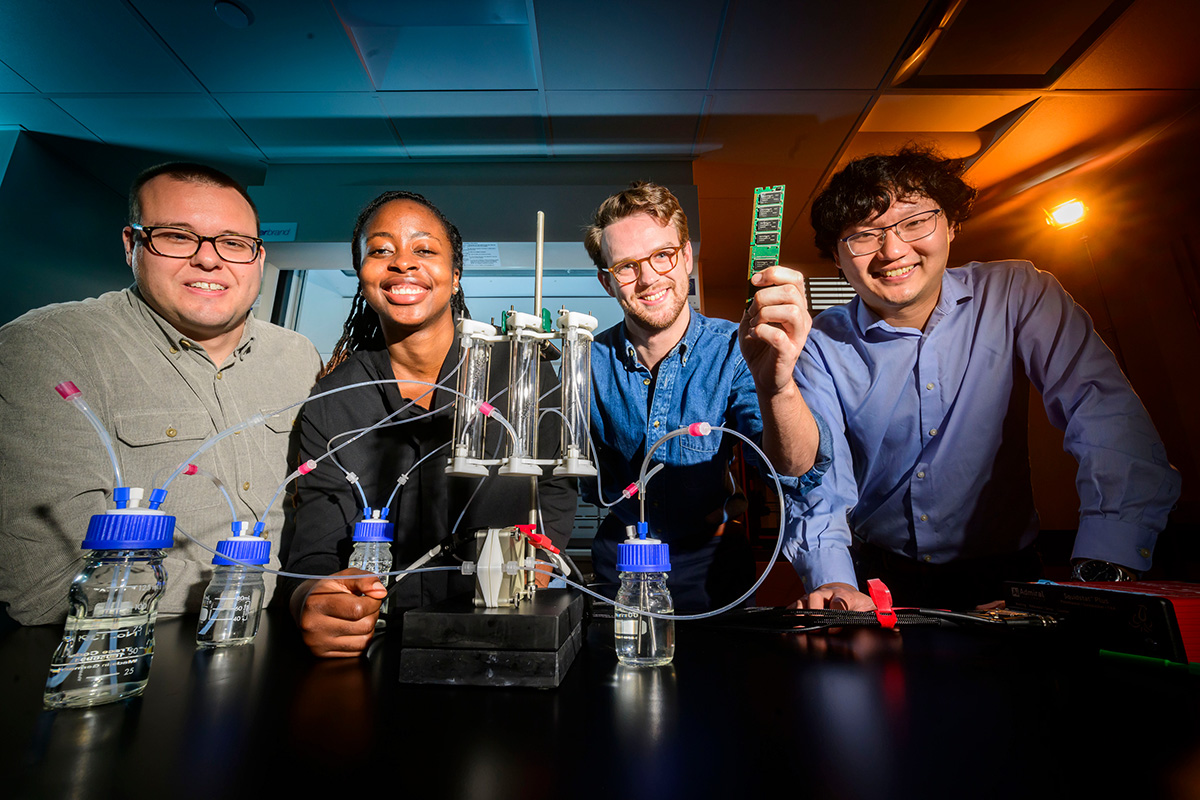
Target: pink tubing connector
{"x": 67, "y": 389}
{"x": 699, "y": 429}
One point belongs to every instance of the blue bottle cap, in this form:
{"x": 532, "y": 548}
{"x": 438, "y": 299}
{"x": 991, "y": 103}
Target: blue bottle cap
{"x": 643, "y": 555}
{"x": 246, "y": 549}
{"x": 130, "y": 529}
{"x": 373, "y": 530}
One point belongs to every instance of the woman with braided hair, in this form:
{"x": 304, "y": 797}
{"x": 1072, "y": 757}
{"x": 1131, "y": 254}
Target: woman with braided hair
{"x": 402, "y": 329}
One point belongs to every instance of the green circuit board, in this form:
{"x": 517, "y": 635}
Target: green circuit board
{"x": 766, "y": 230}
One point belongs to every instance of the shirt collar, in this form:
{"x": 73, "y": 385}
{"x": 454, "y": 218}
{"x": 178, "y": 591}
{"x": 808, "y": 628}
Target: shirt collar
{"x": 171, "y": 339}
{"x": 695, "y": 328}
{"x": 954, "y": 290}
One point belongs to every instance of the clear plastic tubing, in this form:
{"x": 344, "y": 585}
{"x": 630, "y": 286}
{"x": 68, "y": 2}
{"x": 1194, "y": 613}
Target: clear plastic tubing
{"x": 523, "y": 383}
{"x": 576, "y": 331}
{"x": 108, "y": 640}
{"x": 472, "y": 390}
{"x": 70, "y": 392}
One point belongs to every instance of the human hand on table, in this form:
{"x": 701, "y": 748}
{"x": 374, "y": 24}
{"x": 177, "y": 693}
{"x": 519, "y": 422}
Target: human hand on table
{"x": 836, "y": 595}
{"x": 337, "y": 616}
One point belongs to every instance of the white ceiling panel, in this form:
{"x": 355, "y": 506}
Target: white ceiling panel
{"x": 12, "y": 82}
{"x": 455, "y": 58}
{"x": 328, "y": 125}
{"x": 633, "y": 123}
{"x": 1120, "y": 60}
{"x": 997, "y": 38}
{"x": 627, "y": 44}
{"x": 940, "y": 112}
{"x": 475, "y": 124}
{"x": 845, "y": 45}
{"x": 291, "y": 46}
{"x": 87, "y": 46}
{"x": 35, "y": 113}
{"x": 195, "y": 127}
{"x": 793, "y": 128}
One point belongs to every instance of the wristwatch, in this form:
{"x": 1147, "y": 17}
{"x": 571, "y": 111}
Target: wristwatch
{"x": 1090, "y": 570}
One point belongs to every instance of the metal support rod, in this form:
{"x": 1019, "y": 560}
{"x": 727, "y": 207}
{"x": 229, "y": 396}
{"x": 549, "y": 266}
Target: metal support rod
{"x": 537, "y": 264}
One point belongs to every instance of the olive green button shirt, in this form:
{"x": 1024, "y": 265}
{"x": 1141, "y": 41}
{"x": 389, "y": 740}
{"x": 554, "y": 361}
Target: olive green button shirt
{"x": 160, "y": 396}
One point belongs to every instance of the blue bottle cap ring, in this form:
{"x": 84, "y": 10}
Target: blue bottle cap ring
{"x": 244, "y": 549}
{"x": 130, "y": 529}
{"x": 643, "y": 555}
{"x": 373, "y": 530}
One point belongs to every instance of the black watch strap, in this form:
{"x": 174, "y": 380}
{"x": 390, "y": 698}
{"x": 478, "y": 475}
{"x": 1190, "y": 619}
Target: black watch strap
{"x": 1089, "y": 570}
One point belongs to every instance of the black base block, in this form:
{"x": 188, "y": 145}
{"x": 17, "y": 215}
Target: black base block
{"x": 454, "y": 643}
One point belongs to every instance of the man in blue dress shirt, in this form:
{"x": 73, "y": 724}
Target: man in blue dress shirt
{"x": 665, "y": 366}
{"x": 924, "y": 378}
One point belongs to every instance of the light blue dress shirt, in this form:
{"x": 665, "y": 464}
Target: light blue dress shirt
{"x": 702, "y": 379}
{"x": 930, "y": 430}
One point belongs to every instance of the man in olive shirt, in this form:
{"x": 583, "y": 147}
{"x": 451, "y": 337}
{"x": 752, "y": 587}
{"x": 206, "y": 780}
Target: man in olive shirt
{"x": 165, "y": 364}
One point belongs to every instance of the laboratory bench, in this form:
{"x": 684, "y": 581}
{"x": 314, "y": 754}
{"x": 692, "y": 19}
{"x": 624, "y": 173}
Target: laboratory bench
{"x": 866, "y": 713}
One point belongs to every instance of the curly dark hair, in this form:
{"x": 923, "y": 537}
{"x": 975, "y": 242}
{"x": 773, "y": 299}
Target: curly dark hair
{"x": 868, "y": 186}
{"x": 362, "y": 331}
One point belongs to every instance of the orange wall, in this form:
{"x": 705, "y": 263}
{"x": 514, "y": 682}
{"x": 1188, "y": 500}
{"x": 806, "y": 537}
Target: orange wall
{"x": 1143, "y": 291}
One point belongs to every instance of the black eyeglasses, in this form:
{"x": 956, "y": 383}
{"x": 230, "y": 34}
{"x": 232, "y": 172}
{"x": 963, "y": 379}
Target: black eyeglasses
{"x": 661, "y": 261}
{"x": 182, "y": 243}
{"x": 909, "y": 229}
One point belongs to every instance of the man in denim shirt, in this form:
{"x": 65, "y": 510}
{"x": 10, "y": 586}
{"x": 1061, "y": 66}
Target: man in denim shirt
{"x": 665, "y": 367}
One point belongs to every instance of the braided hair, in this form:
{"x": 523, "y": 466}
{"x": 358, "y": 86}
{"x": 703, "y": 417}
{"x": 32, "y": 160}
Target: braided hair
{"x": 362, "y": 330}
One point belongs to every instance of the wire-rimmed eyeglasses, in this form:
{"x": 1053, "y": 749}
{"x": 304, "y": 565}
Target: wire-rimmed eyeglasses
{"x": 909, "y": 229}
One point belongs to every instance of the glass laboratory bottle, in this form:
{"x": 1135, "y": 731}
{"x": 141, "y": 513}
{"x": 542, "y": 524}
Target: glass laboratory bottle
{"x": 642, "y": 565}
{"x": 108, "y": 640}
{"x": 373, "y": 547}
{"x": 232, "y": 603}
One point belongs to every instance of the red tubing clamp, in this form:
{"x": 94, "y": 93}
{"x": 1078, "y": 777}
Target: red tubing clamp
{"x": 881, "y": 596}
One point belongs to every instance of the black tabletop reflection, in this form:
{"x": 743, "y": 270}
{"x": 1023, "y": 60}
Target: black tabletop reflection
{"x": 862, "y": 714}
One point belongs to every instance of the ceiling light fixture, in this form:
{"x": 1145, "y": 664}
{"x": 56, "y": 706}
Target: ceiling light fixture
{"x": 1064, "y": 215}
{"x": 233, "y": 13}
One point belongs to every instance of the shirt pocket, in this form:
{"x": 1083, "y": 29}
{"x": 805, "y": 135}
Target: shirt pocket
{"x": 280, "y": 423}
{"x": 155, "y": 443}
{"x": 700, "y": 448}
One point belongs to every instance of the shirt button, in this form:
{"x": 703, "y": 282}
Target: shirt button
{"x": 933, "y": 431}
{"x": 927, "y": 559}
{"x": 656, "y": 423}
{"x": 246, "y": 486}
{"x": 929, "y": 386}
{"x": 646, "y": 381}
{"x": 219, "y": 374}
{"x": 174, "y": 350}
{"x": 171, "y": 433}
{"x": 924, "y": 518}
{"x": 920, "y": 474}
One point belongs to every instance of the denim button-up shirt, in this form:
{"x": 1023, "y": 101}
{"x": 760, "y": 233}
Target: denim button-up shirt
{"x": 702, "y": 379}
